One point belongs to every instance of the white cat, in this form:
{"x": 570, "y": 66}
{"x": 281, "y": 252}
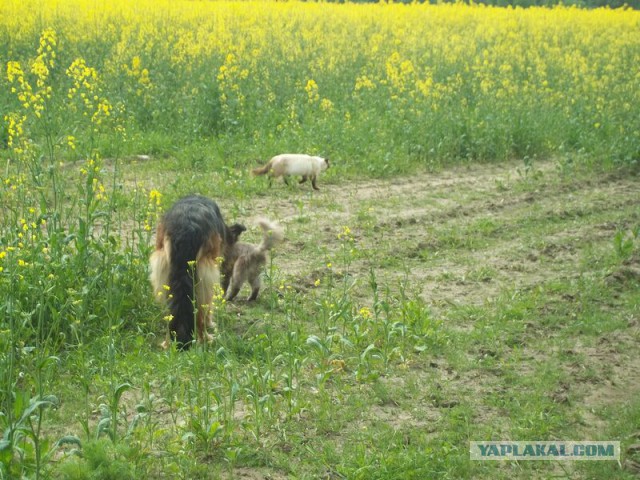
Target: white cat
{"x": 286, "y": 164}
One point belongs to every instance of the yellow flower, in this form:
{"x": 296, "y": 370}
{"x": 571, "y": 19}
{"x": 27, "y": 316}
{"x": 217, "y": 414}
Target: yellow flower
{"x": 338, "y": 365}
{"x": 364, "y": 83}
{"x": 135, "y": 64}
{"x": 326, "y": 105}
{"x": 14, "y": 71}
{"x": 345, "y": 234}
{"x": 155, "y": 197}
{"x": 312, "y": 91}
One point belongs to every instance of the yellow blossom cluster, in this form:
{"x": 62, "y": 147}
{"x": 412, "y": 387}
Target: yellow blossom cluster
{"x": 364, "y": 82}
{"x": 312, "y": 91}
{"x": 141, "y": 75}
{"x": 84, "y": 80}
{"x": 92, "y": 171}
{"x": 230, "y": 75}
{"x": 345, "y": 234}
{"x": 155, "y": 197}
{"x": 34, "y": 88}
{"x": 153, "y": 209}
{"x": 16, "y": 141}
{"x": 27, "y": 243}
{"x": 34, "y": 98}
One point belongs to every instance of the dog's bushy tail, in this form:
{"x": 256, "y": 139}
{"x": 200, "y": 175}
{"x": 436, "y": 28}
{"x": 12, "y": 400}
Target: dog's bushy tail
{"x": 262, "y": 170}
{"x": 184, "y": 249}
{"x": 272, "y": 234}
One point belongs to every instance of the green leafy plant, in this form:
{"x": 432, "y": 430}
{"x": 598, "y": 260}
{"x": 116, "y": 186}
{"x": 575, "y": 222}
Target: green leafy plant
{"x": 624, "y": 243}
{"x": 23, "y": 450}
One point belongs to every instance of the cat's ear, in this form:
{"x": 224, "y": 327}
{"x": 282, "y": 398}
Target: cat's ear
{"x": 236, "y": 229}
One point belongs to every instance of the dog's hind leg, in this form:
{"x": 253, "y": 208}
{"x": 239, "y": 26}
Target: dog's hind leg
{"x": 208, "y": 277}
{"x": 160, "y": 265}
{"x": 159, "y": 275}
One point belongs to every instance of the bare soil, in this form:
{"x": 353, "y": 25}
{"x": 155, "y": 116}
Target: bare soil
{"x": 405, "y": 219}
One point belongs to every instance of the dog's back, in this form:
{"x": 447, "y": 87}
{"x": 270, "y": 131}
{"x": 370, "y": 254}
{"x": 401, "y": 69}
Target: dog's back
{"x": 190, "y": 238}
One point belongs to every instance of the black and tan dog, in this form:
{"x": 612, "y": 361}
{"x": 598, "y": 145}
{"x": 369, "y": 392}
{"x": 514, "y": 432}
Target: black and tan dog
{"x": 191, "y": 242}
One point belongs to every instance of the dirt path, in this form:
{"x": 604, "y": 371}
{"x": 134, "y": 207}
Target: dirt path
{"x": 459, "y": 236}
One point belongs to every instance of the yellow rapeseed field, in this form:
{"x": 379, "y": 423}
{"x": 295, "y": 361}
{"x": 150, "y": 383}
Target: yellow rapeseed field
{"x": 417, "y": 81}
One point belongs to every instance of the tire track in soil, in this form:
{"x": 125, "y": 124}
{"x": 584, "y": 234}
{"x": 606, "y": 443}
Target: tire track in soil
{"x": 401, "y": 220}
